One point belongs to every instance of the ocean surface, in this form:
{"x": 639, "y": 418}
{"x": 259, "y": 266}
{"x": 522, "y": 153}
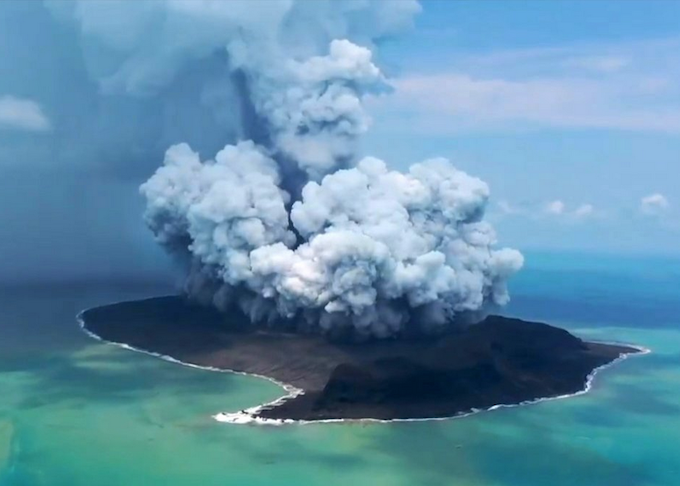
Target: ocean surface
{"x": 74, "y": 411}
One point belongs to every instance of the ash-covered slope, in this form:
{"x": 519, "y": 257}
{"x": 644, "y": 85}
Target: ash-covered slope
{"x": 498, "y": 361}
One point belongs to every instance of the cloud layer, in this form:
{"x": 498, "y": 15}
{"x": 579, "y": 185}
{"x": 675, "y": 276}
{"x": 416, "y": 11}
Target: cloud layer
{"x": 632, "y": 87}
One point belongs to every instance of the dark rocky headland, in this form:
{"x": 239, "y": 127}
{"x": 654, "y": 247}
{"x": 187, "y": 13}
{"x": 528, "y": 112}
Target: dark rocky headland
{"x": 498, "y": 361}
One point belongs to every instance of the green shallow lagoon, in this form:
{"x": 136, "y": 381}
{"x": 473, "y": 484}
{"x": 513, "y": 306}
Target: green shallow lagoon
{"x": 74, "y": 411}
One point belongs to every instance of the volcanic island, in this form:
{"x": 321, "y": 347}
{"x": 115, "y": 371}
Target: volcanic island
{"x": 498, "y": 361}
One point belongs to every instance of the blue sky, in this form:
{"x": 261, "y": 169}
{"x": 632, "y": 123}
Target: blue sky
{"x": 569, "y": 110}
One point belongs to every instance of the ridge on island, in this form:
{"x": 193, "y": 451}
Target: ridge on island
{"x": 497, "y": 361}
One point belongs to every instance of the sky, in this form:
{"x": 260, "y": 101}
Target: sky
{"x": 569, "y": 110}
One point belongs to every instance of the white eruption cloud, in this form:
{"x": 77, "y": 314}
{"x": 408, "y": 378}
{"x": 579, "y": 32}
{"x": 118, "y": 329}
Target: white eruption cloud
{"x": 373, "y": 237}
{"x": 314, "y": 108}
{"x": 287, "y": 221}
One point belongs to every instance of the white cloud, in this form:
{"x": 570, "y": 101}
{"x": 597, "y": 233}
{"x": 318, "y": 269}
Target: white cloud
{"x": 556, "y": 210}
{"x": 633, "y": 87}
{"x": 654, "y": 204}
{"x": 555, "y": 207}
{"x": 603, "y": 64}
{"x": 584, "y": 210}
{"x": 560, "y": 209}
{"x": 506, "y": 208}
{"x": 22, "y": 114}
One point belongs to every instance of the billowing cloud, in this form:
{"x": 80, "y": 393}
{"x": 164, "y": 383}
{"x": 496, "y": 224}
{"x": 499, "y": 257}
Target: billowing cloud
{"x": 22, "y": 114}
{"x": 121, "y": 81}
{"x": 262, "y": 197}
{"x": 368, "y": 250}
{"x": 139, "y": 47}
{"x": 292, "y": 226}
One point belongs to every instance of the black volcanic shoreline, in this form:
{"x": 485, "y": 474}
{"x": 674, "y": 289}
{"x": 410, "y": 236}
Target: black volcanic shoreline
{"x": 498, "y": 361}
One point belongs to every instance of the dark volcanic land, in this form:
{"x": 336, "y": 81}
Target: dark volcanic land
{"x": 498, "y": 361}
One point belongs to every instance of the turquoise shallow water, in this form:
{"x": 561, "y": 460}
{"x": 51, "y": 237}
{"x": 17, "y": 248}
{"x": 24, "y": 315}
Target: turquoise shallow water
{"x": 77, "y": 412}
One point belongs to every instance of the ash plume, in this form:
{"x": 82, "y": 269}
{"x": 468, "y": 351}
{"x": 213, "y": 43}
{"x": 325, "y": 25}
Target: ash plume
{"x": 287, "y": 222}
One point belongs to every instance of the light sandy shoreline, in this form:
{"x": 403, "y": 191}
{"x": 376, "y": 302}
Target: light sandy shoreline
{"x": 249, "y": 415}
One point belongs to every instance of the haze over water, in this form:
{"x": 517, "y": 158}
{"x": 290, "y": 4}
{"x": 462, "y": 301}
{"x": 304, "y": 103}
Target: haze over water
{"x": 78, "y": 412}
